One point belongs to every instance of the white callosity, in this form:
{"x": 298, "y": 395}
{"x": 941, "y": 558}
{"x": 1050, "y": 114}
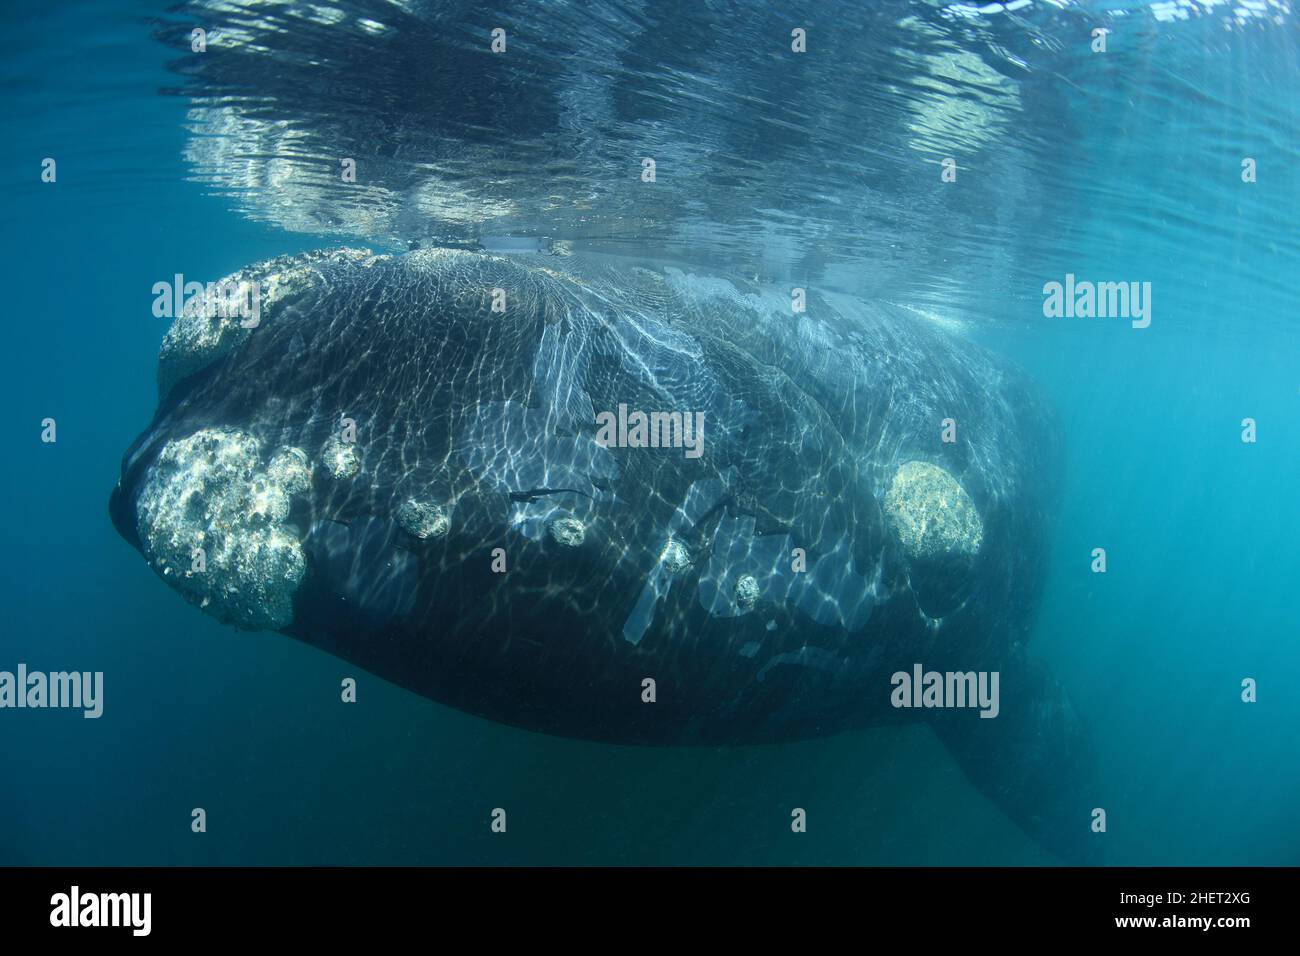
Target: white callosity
{"x": 931, "y": 513}
{"x": 423, "y": 519}
{"x": 568, "y": 531}
{"x": 203, "y": 332}
{"x": 676, "y": 557}
{"x": 342, "y": 459}
{"x": 746, "y": 591}
{"x": 211, "y": 491}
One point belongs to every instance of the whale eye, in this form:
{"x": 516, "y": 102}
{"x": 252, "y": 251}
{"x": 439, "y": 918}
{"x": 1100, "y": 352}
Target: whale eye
{"x": 362, "y": 564}
{"x": 940, "y": 531}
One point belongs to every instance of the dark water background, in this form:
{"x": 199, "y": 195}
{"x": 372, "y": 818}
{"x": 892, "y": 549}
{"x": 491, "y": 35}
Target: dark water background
{"x": 1116, "y": 166}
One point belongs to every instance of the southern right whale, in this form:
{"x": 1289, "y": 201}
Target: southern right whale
{"x": 391, "y": 469}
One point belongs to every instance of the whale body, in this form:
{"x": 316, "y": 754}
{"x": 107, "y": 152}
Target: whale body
{"x": 621, "y": 502}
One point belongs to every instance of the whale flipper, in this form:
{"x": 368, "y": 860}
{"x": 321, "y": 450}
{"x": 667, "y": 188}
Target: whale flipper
{"x": 1034, "y": 760}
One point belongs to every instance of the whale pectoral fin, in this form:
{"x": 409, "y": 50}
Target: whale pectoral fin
{"x": 1033, "y": 760}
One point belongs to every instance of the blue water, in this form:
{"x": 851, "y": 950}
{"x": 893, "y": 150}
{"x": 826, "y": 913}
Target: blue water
{"x": 1124, "y": 165}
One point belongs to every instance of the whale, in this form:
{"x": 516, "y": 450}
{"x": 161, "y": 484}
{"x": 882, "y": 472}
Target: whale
{"x": 622, "y": 501}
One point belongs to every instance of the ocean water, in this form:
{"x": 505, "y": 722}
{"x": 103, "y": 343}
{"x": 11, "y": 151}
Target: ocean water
{"x": 821, "y": 168}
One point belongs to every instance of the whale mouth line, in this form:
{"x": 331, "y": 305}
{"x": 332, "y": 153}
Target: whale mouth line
{"x": 533, "y": 494}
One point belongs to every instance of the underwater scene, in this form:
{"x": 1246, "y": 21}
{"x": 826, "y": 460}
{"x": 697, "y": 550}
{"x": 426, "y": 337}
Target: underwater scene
{"x": 651, "y": 432}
